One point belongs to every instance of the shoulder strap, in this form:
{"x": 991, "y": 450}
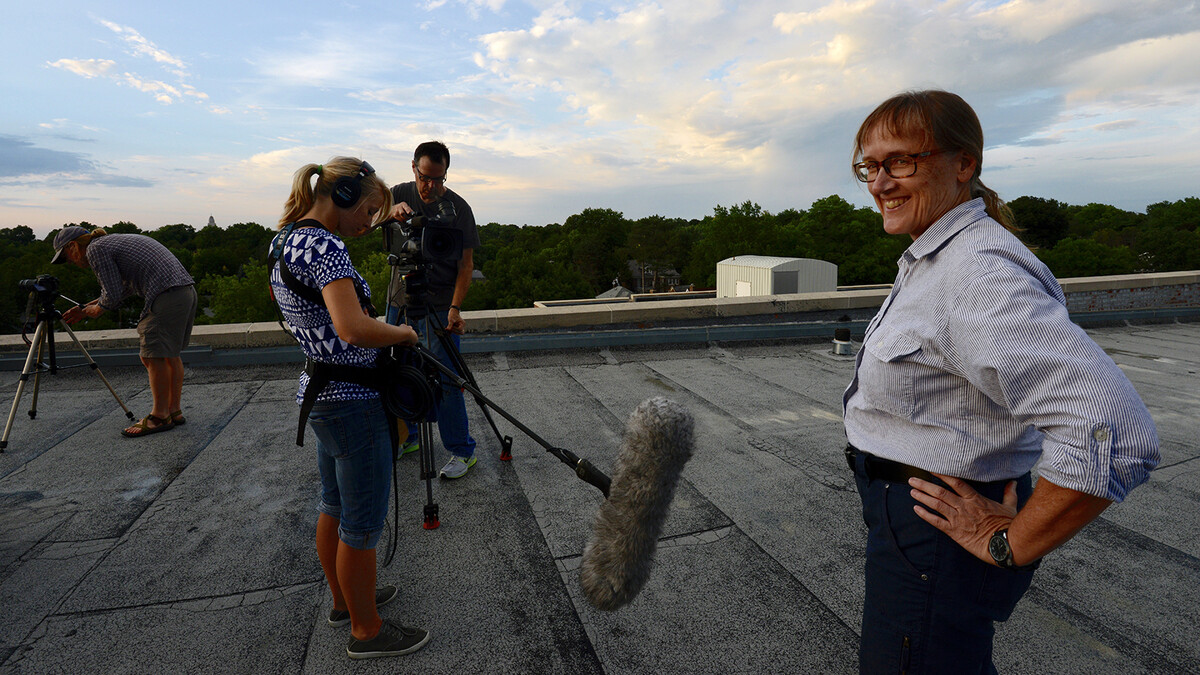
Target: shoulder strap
{"x": 303, "y": 290}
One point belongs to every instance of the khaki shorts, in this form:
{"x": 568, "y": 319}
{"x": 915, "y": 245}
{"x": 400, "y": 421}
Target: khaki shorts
{"x": 167, "y": 328}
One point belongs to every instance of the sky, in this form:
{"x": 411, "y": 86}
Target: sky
{"x": 161, "y": 113}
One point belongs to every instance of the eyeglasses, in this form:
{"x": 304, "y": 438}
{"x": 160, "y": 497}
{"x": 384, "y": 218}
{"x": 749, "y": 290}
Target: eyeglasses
{"x": 897, "y": 166}
{"x": 440, "y": 180}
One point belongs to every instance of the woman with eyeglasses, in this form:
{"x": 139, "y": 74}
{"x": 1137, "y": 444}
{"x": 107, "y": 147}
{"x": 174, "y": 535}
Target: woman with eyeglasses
{"x": 327, "y": 304}
{"x": 970, "y": 375}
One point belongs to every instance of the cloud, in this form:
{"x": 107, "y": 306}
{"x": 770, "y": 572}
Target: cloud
{"x": 22, "y": 158}
{"x": 88, "y": 68}
{"x": 1146, "y": 65}
{"x": 26, "y": 163}
{"x": 1118, "y": 125}
{"x": 140, "y": 46}
{"x": 338, "y": 61}
{"x": 836, "y": 12}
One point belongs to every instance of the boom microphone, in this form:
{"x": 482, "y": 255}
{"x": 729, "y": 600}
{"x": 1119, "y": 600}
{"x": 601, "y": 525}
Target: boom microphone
{"x": 616, "y": 562}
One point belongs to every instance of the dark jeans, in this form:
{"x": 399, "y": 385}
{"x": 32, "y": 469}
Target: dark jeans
{"x": 930, "y": 605}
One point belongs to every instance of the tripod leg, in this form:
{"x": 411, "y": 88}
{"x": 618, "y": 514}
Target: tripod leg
{"x": 428, "y": 472}
{"x": 460, "y": 364}
{"x": 92, "y": 364}
{"x": 47, "y": 337}
{"x": 583, "y": 468}
{"x": 29, "y": 366}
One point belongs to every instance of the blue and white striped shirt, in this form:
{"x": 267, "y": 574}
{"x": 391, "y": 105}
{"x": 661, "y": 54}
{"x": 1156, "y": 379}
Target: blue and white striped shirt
{"x": 973, "y": 368}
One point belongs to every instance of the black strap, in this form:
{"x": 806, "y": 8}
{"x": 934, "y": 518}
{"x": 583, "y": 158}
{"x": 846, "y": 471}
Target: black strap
{"x": 320, "y": 374}
{"x": 300, "y": 288}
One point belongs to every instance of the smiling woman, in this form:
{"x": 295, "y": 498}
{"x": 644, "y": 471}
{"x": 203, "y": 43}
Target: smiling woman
{"x": 939, "y": 130}
{"x": 971, "y": 374}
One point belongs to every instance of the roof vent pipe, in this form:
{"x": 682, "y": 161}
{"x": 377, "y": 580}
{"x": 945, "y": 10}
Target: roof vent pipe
{"x": 841, "y": 342}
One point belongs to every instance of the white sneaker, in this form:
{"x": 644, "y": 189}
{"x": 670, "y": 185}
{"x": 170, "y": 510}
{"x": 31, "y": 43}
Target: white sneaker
{"x": 457, "y": 467}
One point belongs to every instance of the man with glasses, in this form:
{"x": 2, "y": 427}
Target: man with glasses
{"x": 448, "y": 283}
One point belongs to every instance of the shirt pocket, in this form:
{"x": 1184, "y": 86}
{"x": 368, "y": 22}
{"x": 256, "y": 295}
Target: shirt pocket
{"x": 888, "y": 371}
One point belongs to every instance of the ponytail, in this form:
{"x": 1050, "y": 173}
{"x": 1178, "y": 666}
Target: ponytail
{"x": 306, "y": 191}
{"x": 996, "y": 208}
{"x": 84, "y": 239}
{"x": 302, "y": 196}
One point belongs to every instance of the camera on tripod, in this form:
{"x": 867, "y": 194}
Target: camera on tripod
{"x": 45, "y": 285}
{"x": 416, "y": 244}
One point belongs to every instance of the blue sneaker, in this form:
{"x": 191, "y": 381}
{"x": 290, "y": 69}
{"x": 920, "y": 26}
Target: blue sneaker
{"x": 410, "y": 446}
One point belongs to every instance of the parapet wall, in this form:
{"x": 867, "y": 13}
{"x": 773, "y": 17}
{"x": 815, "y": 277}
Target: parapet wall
{"x": 1132, "y": 291}
{"x": 1174, "y": 293}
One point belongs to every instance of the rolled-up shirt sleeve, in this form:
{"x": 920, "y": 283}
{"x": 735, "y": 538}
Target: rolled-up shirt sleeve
{"x": 1025, "y": 354}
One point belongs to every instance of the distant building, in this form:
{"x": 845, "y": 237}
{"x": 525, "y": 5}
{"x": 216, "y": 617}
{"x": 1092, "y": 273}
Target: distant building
{"x": 752, "y": 275}
{"x": 650, "y": 278}
{"x": 212, "y": 222}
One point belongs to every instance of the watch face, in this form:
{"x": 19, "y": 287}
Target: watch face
{"x": 998, "y": 547}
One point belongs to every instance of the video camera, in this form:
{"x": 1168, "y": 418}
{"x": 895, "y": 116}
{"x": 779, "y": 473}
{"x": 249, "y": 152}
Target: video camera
{"x": 413, "y": 245}
{"x": 44, "y": 285}
{"x": 423, "y": 239}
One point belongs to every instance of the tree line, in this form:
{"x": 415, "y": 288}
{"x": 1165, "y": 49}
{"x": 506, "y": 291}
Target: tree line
{"x": 583, "y": 256}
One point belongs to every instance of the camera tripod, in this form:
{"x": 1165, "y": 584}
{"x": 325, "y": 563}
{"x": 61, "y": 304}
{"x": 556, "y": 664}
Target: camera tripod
{"x": 43, "y": 344}
{"x": 460, "y": 375}
{"x": 583, "y": 468}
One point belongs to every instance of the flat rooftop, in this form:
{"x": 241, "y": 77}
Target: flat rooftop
{"x": 192, "y": 550}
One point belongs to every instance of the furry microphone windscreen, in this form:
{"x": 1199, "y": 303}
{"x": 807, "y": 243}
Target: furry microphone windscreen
{"x": 616, "y": 562}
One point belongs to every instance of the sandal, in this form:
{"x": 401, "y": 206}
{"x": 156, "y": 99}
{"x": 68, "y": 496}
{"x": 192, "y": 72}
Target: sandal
{"x": 143, "y": 427}
{"x": 177, "y": 418}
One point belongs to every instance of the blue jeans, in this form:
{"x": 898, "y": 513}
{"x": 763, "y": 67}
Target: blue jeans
{"x": 452, "y": 409}
{"x": 930, "y": 605}
{"x": 354, "y": 455}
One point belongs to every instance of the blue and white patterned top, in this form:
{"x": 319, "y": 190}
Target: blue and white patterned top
{"x": 317, "y": 257}
{"x": 973, "y": 368}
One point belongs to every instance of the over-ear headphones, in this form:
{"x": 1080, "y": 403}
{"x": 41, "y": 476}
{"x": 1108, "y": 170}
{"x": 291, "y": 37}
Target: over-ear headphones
{"x": 347, "y": 189}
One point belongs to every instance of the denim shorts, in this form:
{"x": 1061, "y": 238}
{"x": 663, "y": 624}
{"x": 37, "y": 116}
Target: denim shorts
{"x": 354, "y": 455}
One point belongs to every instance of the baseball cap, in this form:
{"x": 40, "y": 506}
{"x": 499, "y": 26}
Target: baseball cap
{"x": 65, "y": 236}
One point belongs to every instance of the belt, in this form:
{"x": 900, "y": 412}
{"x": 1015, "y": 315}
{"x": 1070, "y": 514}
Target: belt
{"x": 878, "y": 468}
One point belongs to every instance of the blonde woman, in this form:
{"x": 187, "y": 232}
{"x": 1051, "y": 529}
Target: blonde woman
{"x": 327, "y": 304}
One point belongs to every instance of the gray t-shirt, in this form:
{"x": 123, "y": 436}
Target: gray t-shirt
{"x": 442, "y": 273}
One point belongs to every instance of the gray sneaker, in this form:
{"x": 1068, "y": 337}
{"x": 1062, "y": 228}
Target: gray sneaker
{"x": 457, "y": 467}
{"x": 383, "y": 595}
{"x": 392, "y": 640}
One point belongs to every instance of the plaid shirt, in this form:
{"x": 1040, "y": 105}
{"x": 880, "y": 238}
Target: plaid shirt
{"x": 133, "y": 264}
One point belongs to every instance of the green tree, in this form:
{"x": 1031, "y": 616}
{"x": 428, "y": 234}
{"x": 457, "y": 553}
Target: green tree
{"x": 1043, "y": 222}
{"x": 123, "y": 227}
{"x": 1086, "y": 258}
{"x": 238, "y": 298}
{"x": 657, "y": 243}
{"x": 595, "y": 236}
{"x": 745, "y": 229}
{"x": 1089, "y": 221}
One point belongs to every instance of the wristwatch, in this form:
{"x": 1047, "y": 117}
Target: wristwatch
{"x": 1001, "y": 552}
